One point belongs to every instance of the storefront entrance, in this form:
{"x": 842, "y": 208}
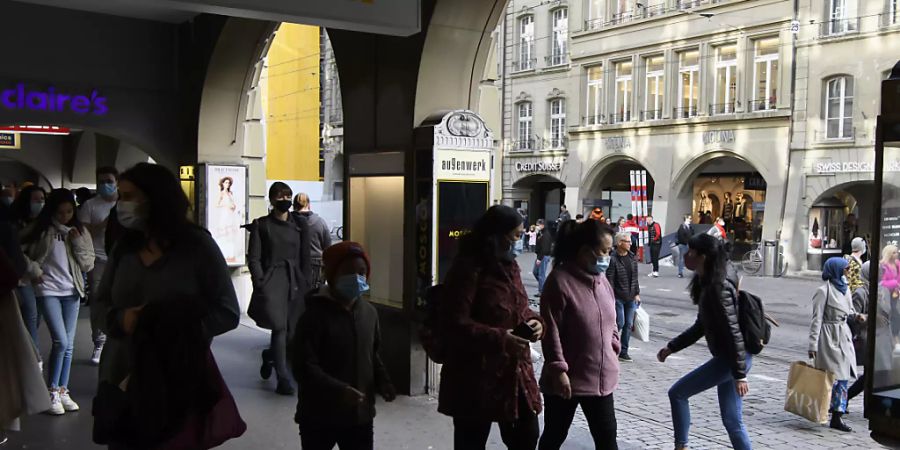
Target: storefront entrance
{"x": 624, "y": 187}
{"x": 540, "y": 198}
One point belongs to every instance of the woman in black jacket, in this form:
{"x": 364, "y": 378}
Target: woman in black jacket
{"x": 714, "y": 290}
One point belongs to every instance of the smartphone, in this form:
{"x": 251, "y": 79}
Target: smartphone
{"x": 524, "y": 331}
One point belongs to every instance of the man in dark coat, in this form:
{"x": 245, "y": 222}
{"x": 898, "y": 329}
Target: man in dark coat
{"x": 544, "y": 251}
{"x": 623, "y": 277}
{"x": 685, "y": 233}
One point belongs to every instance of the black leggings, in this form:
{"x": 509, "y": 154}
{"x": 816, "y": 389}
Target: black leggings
{"x": 522, "y": 434}
{"x": 278, "y": 354}
{"x": 599, "y": 411}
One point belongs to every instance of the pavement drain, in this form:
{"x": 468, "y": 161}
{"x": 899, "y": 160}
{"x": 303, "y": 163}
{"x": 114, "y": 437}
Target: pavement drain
{"x": 666, "y": 314}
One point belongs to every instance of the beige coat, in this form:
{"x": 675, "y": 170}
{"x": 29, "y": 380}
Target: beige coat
{"x": 80, "y": 251}
{"x": 22, "y": 388}
{"x": 829, "y": 334}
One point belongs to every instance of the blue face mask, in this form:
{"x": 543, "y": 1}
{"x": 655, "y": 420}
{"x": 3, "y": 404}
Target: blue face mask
{"x": 350, "y": 287}
{"x": 107, "y": 189}
{"x": 36, "y": 208}
{"x": 601, "y": 266}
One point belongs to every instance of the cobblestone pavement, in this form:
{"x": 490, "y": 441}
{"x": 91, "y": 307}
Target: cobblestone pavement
{"x": 642, "y": 404}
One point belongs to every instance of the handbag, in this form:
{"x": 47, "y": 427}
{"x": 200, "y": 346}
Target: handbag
{"x": 808, "y": 392}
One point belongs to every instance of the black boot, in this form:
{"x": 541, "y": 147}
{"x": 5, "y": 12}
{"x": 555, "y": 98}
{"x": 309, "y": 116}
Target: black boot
{"x": 265, "y": 371}
{"x": 838, "y": 423}
{"x": 284, "y": 387}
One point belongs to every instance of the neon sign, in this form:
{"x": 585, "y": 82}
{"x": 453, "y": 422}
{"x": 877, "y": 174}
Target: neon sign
{"x": 22, "y": 98}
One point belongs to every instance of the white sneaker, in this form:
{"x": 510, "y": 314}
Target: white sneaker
{"x": 41, "y": 366}
{"x": 67, "y": 402}
{"x": 650, "y": 275}
{"x": 56, "y": 406}
{"x": 655, "y": 274}
{"x": 95, "y": 357}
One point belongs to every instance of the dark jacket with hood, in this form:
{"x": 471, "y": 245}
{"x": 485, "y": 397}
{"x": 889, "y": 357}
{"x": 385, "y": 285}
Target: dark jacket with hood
{"x": 335, "y": 348}
{"x": 717, "y": 321}
{"x": 623, "y": 276}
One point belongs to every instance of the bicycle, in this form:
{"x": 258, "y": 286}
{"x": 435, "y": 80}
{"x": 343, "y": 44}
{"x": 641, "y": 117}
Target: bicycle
{"x": 752, "y": 261}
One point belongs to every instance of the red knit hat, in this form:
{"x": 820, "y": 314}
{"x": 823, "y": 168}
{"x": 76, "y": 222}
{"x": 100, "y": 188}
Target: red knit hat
{"x": 334, "y": 256}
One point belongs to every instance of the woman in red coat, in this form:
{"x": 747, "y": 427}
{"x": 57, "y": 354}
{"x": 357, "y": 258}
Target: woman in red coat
{"x": 488, "y": 376}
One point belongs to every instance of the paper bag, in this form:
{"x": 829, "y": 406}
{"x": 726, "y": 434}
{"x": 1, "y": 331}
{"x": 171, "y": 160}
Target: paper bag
{"x": 809, "y": 392}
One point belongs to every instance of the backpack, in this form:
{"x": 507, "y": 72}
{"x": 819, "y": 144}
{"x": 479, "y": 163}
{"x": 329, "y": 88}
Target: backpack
{"x": 754, "y": 322}
{"x": 429, "y": 335}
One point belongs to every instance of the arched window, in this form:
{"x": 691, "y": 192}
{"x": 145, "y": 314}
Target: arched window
{"x": 839, "y": 107}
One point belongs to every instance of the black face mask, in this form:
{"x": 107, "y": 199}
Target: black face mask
{"x": 282, "y": 205}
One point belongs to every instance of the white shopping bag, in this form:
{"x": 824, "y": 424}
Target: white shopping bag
{"x": 641, "y": 329}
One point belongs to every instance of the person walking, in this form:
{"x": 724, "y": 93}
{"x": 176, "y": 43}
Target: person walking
{"x": 860, "y": 299}
{"x": 25, "y": 210}
{"x": 319, "y": 236}
{"x": 94, "y": 214}
{"x": 683, "y": 237}
{"x": 564, "y": 215}
{"x": 623, "y": 277}
{"x": 632, "y": 227}
{"x": 276, "y": 257}
{"x": 890, "y": 283}
{"x": 543, "y": 252}
{"x": 714, "y": 290}
{"x": 59, "y": 250}
{"x": 335, "y": 356}
{"x": 718, "y": 230}
{"x": 531, "y": 236}
{"x": 488, "y": 374}
{"x": 830, "y": 337}
{"x": 160, "y": 257}
{"x": 855, "y": 262}
{"x": 581, "y": 342}
{"x": 654, "y": 236}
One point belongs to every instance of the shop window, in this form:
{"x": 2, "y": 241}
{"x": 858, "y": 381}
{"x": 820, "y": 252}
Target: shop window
{"x": 654, "y": 90}
{"x": 558, "y": 123}
{"x": 595, "y": 95}
{"x": 688, "y": 84}
{"x": 559, "y": 45}
{"x": 839, "y": 108}
{"x": 526, "y": 44}
{"x": 525, "y": 130}
{"x": 726, "y": 79}
{"x": 624, "y": 88}
{"x": 765, "y": 75}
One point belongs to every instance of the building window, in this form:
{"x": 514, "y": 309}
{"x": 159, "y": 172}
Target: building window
{"x": 891, "y": 17}
{"x": 595, "y": 14}
{"x": 688, "y": 84}
{"x": 621, "y": 11}
{"x": 765, "y": 75}
{"x": 726, "y": 79}
{"x": 526, "y": 113}
{"x": 839, "y": 108}
{"x": 559, "y": 44}
{"x": 839, "y": 18}
{"x": 526, "y": 43}
{"x": 558, "y": 123}
{"x": 624, "y": 85}
{"x": 655, "y": 87}
{"x": 595, "y": 95}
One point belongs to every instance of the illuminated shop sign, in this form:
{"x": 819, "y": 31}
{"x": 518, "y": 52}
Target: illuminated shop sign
{"x": 9, "y": 140}
{"x": 37, "y": 129}
{"x": 539, "y": 167}
{"x": 23, "y": 98}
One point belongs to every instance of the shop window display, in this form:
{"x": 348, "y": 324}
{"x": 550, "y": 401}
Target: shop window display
{"x": 738, "y": 199}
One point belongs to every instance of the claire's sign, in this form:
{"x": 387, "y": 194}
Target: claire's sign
{"x": 24, "y": 98}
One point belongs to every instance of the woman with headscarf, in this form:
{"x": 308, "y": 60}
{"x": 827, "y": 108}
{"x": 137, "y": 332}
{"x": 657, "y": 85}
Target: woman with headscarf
{"x": 830, "y": 337}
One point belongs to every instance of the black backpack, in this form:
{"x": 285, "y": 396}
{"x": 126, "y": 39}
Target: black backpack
{"x": 754, "y": 322}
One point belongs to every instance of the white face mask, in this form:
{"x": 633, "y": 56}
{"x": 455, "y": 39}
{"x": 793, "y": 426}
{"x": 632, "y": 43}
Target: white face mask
{"x": 130, "y": 215}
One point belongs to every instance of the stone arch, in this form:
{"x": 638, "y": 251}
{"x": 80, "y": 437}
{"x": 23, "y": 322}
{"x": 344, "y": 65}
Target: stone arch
{"x": 683, "y": 178}
{"x": 605, "y": 164}
{"x": 529, "y": 180}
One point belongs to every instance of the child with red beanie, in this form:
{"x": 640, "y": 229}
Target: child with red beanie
{"x": 335, "y": 356}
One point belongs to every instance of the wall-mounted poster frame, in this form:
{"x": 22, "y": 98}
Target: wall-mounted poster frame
{"x": 223, "y": 200}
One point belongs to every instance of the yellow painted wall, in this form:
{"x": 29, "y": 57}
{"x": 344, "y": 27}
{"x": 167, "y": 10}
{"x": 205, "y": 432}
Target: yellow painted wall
{"x": 291, "y": 104}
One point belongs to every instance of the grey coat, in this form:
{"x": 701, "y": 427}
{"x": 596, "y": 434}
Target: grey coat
{"x": 829, "y": 333}
{"x": 22, "y": 391}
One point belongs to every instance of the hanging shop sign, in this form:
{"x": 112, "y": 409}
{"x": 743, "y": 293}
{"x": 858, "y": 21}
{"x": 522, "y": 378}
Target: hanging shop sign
{"x": 22, "y": 98}
{"x": 854, "y": 166}
{"x": 37, "y": 129}
{"x": 462, "y": 165}
{"x": 9, "y": 140}
{"x": 538, "y": 167}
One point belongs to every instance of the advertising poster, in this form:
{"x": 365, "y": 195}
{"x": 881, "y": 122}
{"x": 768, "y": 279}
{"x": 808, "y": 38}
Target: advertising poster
{"x": 226, "y": 210}
{"x": 460, "y": 204}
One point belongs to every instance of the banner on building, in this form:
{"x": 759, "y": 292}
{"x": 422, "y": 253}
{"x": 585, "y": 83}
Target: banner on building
{"x": 224, "y": 209}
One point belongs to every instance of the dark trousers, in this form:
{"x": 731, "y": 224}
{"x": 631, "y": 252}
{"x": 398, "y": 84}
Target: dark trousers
{"x": 360, "y": 437}
{"x": 472, "y": 434}
{"x": 558, "y": 413}
{"x": 857, "y": 387}
{"x": 654, "y": 255}
{"x": 277, "y": 355}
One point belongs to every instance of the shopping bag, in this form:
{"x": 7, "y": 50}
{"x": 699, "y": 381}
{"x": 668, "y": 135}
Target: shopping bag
{"x": 641, "y": 329}
{"x": 808, "y": 392}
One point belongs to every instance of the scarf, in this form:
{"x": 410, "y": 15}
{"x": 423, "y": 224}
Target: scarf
{"x": 833, "y": 272}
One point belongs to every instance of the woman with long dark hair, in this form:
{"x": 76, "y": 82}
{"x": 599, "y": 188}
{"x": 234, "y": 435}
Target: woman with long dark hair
{"x": 59, "y": 251}
{"x": 160, "y": 257}
{"x": 581, "y": 345}
{"x": 714, "y": 290}
{"x": 24, "y": 211}
{"x": 488, "y": 375}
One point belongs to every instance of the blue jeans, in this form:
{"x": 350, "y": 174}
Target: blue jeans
{"x": 625, "y": 320}
{"x": 715, "y": 372}
{"x": 682, "y": 251}
{"x": 61, "y": 315}
{"x": 540, "y": 272}
{"x": 30, "y": 314}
